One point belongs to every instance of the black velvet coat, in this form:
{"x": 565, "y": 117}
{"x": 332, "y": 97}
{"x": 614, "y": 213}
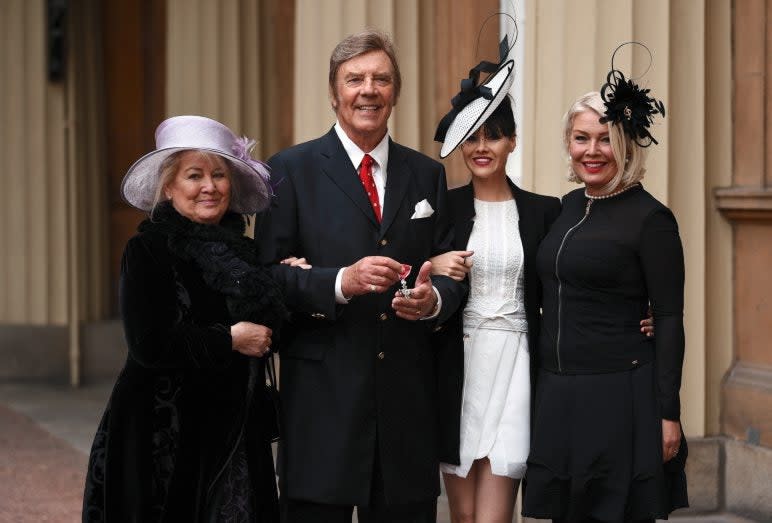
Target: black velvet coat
{"x": 182, "y": 431}
{"x": 536, "y": 214}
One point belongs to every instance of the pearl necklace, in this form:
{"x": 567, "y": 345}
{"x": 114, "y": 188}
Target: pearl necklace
{"x": 610, "y": 195}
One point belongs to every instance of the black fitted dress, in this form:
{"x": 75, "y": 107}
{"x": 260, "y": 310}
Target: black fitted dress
{"x": 603, "y": 387}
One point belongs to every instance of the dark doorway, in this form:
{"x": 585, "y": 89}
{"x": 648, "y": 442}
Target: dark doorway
{"x": 134, "y": 53}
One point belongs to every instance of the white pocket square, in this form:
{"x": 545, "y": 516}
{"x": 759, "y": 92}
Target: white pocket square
{"x": 422, "y": 210}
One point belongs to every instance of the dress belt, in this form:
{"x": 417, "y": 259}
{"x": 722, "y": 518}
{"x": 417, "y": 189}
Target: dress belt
{"x": 511, "y": 322}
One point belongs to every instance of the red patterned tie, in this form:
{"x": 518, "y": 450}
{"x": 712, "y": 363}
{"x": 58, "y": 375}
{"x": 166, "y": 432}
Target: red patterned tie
{"x": 366, "y": 177}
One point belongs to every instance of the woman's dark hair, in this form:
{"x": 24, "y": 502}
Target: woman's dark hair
{"x": 501, "y": 122}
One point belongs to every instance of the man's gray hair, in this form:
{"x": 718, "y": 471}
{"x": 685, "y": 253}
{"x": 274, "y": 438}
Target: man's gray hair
{"x": 359, "y": 44}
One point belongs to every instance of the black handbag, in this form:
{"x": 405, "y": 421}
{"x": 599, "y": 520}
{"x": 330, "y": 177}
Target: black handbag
{"x": 273, "y": 414}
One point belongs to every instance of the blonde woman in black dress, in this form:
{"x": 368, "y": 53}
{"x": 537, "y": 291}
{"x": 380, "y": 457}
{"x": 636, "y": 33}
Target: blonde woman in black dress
{"x": 607, "y": 443}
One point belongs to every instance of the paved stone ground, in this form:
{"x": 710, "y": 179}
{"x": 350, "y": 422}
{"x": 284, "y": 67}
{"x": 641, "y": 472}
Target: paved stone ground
{"x": 45, "y": 435}
{"x": 41, "y": 476}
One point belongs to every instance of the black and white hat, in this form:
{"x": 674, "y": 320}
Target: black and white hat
{"x": 475, "y": 102}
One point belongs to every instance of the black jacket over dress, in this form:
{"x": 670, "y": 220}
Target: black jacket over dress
{"x": 536, "y": 214}
{"x": 355, "y": 379}
{"x": 182, "y": 437}
{"x": 603, "y": 386}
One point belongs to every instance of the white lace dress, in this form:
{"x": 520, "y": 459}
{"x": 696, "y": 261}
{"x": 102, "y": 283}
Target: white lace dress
{"x": 495, "y": 409}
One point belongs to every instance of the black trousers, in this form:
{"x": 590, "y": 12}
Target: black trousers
{"x": 298, "y": 511}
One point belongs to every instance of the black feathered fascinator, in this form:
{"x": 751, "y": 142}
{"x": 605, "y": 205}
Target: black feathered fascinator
{"x": 477, "y": 100}
{"x": 628, "y": 105}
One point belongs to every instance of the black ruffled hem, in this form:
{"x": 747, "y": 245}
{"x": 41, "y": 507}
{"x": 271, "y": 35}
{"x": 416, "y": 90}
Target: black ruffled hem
{"x": 550, "y": 496}
{"x": 596, "y": 450}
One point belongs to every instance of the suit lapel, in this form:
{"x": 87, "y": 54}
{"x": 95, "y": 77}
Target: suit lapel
{"x": 337, "y": 165}
{"x": 397, "y": 181}
{"x": 465, "y": 217}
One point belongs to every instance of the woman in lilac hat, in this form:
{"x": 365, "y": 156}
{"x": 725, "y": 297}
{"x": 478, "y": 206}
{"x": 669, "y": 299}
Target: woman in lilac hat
{"x": 186, "y": 433}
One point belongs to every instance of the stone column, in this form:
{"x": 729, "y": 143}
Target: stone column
{"x": 86, "y": 241}
{"x": 34, "y": 219}
{"x": 53, "y": 222}
{"x": 747, "y": 204}
{"x": 50, "y": 140}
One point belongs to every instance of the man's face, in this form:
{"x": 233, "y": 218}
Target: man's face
{"x": 364, "y": 96}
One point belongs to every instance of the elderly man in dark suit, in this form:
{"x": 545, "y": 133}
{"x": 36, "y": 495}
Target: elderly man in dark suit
{"x": 358, "y": 375}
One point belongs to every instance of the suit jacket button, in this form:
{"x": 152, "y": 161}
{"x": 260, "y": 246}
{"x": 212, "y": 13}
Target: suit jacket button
{"x": 384, "y": 242}
{"x": 381, "y": 355}
{"x": 318, "y": 316}
{"x": 383, "y": 316}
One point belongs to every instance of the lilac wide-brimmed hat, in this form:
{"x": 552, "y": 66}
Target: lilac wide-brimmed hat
{"x": 250, "y": 179}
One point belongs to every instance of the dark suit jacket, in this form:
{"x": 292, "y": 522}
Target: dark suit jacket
{"x": 355, "y": 379}
{"x": 536, "y": 214}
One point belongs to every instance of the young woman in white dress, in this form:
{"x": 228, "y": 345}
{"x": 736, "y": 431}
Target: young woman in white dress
{"x": 498, "y": 227}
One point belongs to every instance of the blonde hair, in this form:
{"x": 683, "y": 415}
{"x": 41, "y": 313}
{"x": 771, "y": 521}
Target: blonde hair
{"x": 629, "y": 156}
{"x": 171, "y": 164}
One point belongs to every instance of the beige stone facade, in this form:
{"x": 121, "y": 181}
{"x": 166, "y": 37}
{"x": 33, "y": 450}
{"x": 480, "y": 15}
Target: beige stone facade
{"x": 261, "y": 67}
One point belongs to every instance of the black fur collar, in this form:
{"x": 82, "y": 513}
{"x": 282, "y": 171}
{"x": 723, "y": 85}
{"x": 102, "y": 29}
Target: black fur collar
{"x": 227, "y": 260}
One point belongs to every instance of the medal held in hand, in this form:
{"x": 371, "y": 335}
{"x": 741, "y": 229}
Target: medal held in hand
{"x": 403, "y": 274}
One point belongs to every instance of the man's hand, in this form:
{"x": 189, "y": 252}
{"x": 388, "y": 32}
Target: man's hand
{"x": 422, "y": 298}
{"x": 370, "y": 274}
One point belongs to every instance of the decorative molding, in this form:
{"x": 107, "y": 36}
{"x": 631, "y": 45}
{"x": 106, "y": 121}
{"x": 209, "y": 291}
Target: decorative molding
{"x": 744, "y": 203}
{"x": 754, "y": 376}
